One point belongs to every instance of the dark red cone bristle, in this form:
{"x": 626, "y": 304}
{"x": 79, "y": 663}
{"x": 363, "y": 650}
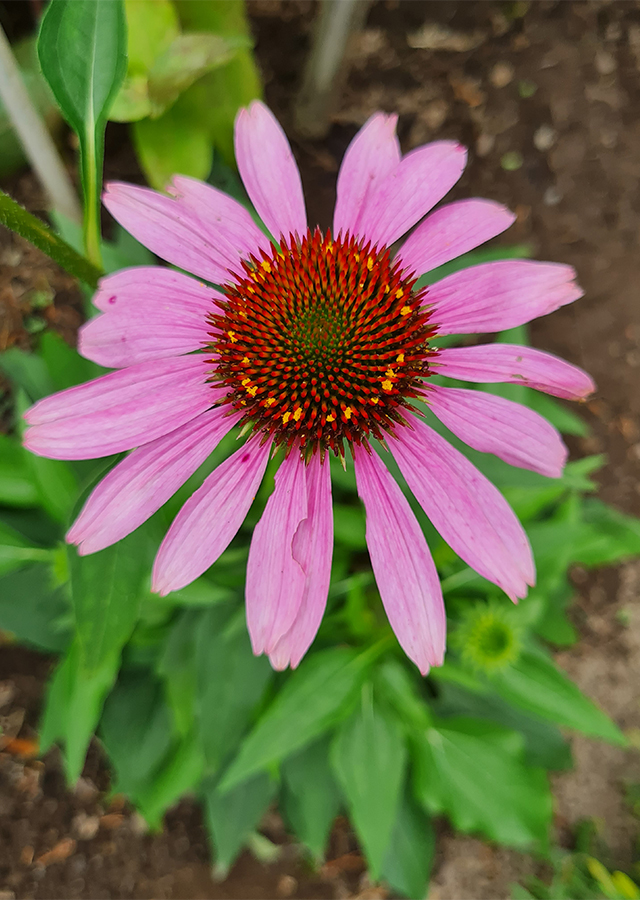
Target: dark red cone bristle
{"x": 322, "y": 342}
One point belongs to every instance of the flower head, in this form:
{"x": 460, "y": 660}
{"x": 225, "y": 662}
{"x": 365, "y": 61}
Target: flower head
{"x": 319, "y": 344}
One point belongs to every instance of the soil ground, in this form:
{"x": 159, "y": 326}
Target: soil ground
{"x": 546, "y": 95}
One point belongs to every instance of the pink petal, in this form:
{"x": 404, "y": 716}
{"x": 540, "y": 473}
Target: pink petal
{"x": 219, "y": 210}
{"x": 422, "y": 178}
{"x": 372, "y": 155}
{"x": 312, "y": 548}
{"x": 149, "y": 314}
{"x": 404, "y": 569}
{"x": 209, "y": 520}
{"x": 144, "y": 481}
{"x": 173, "y": 231}
{"x": 154, "y": 284}
{"x": 275, "y": 579}
{"x": 452, "y": 230}
{"x": 491, "y": 424}
{"x": 120, "y": 410}
{"x": 269, "y": 171}
{"x": 486, "y": 363}
{"x": 469, "y": 512}
{"x": 499, "y": 295}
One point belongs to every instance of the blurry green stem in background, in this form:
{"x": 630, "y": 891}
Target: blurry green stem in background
{"x": 337, "y": 21}
{"x": 37, "y": 141}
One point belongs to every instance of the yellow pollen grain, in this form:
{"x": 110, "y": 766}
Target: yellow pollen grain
{"x": 400, "y": 358}
{"x": 245, "y": 382}
{"x": 405, "y": 310}
{"x": 375, "y": 400}
{"x": 232, "y": 337}
{"x": 245, "y": 361}
{"x": 285, "y": 418}
{"x": 252, "y": 391}
{"x": 329, "y": 246}
{"x": 347, "y": 413}
{"x": 331, "y": 417}
{"x": 387, "y": 386}
{"x": 356, "y": 256}
{"x": 370, "y": 263}
{"x": 386, "y": 288}
{"x": 390, "y": 373}
{"x": 269, "y": 401}
{"x": 251, "y": 289}
{"x": 399, "y": 293}
{"x": 266, "y": 265}
{"x": 297, "y": 414}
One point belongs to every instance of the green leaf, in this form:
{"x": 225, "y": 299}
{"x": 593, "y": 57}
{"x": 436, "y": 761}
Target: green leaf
{"x": 82, "y": 51}
{"x": 472, "y": 771}
{"x": 231, "y": 816}
{"x": 151, "y": 27}
{"x": 544, "y": 745}
{"x": 177, "y": 667}
{"x": 73, "y": 706}
{"x": 216, "y": 98}
{"x": 560, "y": 415}
{"x": 369, "y": 757}
{"x": 349, "y": 526}
{"x": 136, "y": 730}
{"x": 606, "y": 536}
{"x": 106, "y": 589}
{"x": 188, "y": 58}
{"x": 33, "y": 608}
{"x": 27, "y": 371}
{"x": 179, "y": 774}
{"x": 176, "y": 143}
{"x": 65, "y": 365}
{"x": 16, "y": 550}
{"x": 17, "y": 219}
{"x": 310, "y": 796}
{"x": 314, "y": 698}
{"x": 409, "y": 857}
{"x": 535, "y": 684}
{"x": 231, "y": 682}
{"x": 17, "y": 485}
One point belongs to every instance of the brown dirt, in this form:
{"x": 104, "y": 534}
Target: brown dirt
{"x": 555, "y": 85}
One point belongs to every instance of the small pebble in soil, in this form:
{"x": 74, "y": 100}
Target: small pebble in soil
{"x": 527, "y": 89}
{"x": 484, "y": 144}
{"x": 552, "y": 196}
{"x": 501, "y": 74}
{"x": 605, "y": 63}
{"x": 544, "y": 138}
{"x": 85, "y": 827}
{"x": 287, "y": 886}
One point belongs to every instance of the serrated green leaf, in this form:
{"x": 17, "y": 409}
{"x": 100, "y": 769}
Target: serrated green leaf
{"x": 106, "y": 590}
{"x": 534, "y": 683}
{"x": 409, "y": 857}
{"x": 310, "y": 796}
{"x": 83, "y": 54}
{"x": 469, "y": 771}
{"x": 315, "y": 697}
{"x": 369, "y": 758}
{"x": 17, "y": 219}
{"x": 232, "y": 815}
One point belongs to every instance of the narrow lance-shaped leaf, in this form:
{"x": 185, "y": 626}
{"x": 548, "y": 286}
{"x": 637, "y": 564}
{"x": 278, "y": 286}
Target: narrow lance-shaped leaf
{"x": 17, "y": 219}
{"x": 82, "y": 51}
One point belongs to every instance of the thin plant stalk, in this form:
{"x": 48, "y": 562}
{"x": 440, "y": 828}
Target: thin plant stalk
{"x": 36, "y": 140}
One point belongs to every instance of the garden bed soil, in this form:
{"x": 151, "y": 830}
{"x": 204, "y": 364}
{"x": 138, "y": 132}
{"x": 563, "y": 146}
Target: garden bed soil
{"x": 546, "y": 97}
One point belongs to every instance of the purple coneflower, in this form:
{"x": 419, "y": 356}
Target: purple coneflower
{"x": 316, "y": 344}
